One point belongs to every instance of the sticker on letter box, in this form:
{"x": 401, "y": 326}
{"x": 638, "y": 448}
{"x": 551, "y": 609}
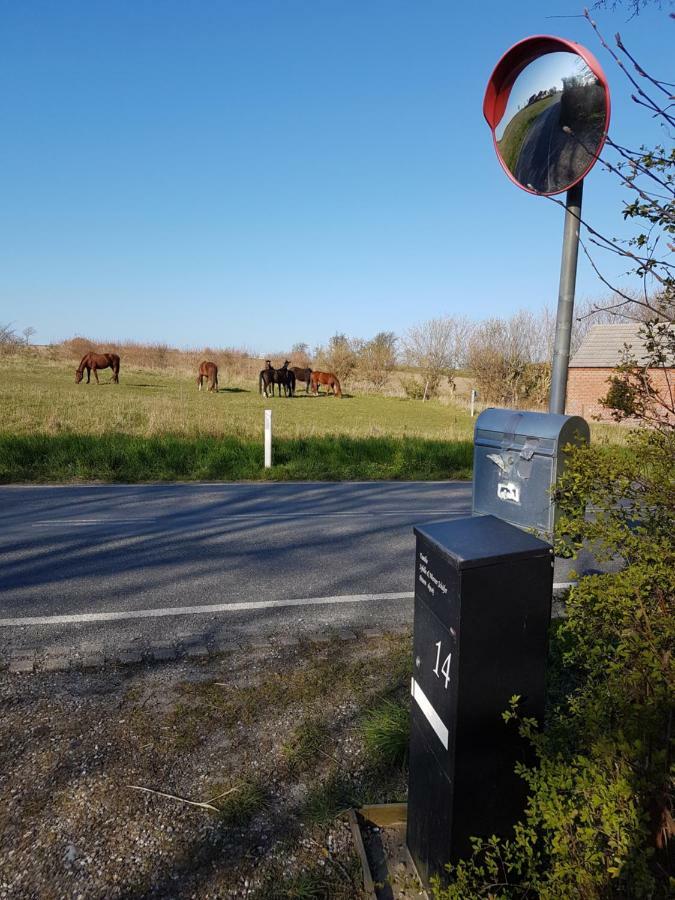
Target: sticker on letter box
{"x": 508, "y": 491}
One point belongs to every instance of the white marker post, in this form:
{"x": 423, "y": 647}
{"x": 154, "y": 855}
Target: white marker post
{"x": 474, "y": 394}
{"x": 268, "y": 438}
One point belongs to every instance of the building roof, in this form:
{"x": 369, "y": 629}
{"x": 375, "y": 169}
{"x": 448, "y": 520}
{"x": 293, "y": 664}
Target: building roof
{"x": 603, "y": 346}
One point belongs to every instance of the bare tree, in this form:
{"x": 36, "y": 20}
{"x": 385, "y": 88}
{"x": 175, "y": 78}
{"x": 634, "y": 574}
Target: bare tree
{"x": 377, "y": 358}
{"x": 300, "y": 354}
{"x": 648, "y": 174}
{"x": 13, "y": 341}
{"x": 510, "y": 358}
{"x": 339, "y": 357}
{"x": 642, "y": 388}
{"x": 437, "y": 348}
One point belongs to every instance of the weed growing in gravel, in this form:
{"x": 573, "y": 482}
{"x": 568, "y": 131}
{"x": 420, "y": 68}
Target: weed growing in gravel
{"x": 327, "y": 799}
{"x": 330, "y": 881}
{"x": 187, "y": 722}
{"x": 304, "y": 743}
{"x": 239, "y": 807}
{"x": 386, "y": 732}
{"x": 305, "y": 886}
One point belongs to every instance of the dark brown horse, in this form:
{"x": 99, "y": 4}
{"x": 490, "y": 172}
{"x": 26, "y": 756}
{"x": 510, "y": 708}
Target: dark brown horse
{"x": 208, "y": 371}
{"x": 94, "y": 362}
{"x": 265, "y": 378}
{"x": 284, "y": 377}
{"x": 328, "y": 379}
{"x": 302, "y": 375}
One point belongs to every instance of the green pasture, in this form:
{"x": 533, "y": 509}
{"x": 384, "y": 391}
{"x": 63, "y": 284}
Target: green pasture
{"x": 156, "y": 426}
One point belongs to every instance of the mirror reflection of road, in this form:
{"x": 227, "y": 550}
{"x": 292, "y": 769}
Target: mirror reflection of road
{"x": 550, "y": 159}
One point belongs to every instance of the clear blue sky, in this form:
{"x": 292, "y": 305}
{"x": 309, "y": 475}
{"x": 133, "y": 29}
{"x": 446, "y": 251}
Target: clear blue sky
{"x": 260, "y": 173}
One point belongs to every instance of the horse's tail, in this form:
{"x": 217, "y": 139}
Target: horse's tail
{"x": 260, "y": 383}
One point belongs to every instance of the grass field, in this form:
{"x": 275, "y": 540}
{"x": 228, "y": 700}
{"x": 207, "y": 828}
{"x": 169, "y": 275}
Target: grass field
{"x": 156, "y": 426}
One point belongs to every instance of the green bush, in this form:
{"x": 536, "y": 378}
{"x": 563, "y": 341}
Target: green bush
{"x": 414, "y": 387}
{"x": 598, "y": 821}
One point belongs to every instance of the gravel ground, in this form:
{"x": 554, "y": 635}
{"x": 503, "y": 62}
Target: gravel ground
{"x": 273, "y": 734}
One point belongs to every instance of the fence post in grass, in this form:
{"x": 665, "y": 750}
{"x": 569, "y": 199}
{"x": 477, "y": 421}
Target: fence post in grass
{"x": 268, "y": 438}
{"x": 474, "y": 394}
{"x": 426, "y": 388}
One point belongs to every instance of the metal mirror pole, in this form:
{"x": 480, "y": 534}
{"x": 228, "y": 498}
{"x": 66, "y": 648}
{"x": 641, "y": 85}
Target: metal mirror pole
{"x": 568, "y": 278}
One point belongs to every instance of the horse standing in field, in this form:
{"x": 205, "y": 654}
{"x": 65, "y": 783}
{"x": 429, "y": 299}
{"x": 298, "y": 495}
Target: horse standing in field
{"x": 265, "y": 378}
{"x": 208, "y": 371}
{"x": 270, "y": 376}
{"x": 96, "y": 361}
{"x": 329, "y": 380}
{"x": 302, "y": 375}
{"x": 284, "y": 377}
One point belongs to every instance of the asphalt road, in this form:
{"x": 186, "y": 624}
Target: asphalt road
{"x": 143, "y": 561}
{"x": 550, "y": 158}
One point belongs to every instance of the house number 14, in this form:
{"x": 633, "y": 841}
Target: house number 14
{"x": 445, "y": 668}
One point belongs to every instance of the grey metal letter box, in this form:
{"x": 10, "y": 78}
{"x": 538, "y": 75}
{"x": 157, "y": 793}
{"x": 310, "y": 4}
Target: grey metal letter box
{"x": 517, "y": 458}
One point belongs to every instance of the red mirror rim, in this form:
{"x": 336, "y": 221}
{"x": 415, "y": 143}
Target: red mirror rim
{"x": 507, "y": 70}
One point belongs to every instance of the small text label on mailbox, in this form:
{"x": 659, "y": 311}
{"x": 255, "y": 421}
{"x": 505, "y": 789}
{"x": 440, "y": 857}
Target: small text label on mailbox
{"x": 507, "y": 490}
{"x": 427, "y": 578}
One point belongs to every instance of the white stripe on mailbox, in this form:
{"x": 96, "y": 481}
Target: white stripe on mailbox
{"x": 430, "y": 713}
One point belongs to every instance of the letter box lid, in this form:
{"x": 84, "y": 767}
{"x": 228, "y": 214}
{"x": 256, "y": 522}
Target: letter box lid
{"x": 480, "y": 541}
{"x": 546, "y": 427}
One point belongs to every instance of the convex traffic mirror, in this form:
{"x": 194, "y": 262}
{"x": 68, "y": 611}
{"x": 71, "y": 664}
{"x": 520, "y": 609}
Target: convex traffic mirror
{"x": 548, "y": 106}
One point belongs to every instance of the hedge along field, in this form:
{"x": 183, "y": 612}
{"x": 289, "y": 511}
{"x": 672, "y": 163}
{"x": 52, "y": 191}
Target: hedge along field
{"x": 157, "y": 426}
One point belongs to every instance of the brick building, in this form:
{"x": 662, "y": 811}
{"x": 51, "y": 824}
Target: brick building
{"x": 593, "y": 363}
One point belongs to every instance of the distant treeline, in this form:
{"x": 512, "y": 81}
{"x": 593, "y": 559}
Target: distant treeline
{"x": 506, "y": 358}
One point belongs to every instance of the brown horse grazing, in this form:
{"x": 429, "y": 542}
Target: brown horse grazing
{"x": 208, "y": 371}
{"x": 328, "y": 379}
{"x": 95, "y": 361}
{"x": 302, "y": 375}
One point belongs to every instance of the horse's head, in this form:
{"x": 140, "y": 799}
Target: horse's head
{"x": 268, "y": 363}
{"x": 79, "y": 374}
{"x": 286, "y": 364}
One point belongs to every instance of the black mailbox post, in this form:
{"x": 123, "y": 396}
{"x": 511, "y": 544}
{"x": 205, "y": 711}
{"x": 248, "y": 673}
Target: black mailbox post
{"x": 482, "y": 613}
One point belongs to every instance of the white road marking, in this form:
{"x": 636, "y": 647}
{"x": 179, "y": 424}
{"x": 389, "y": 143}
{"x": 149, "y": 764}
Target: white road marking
{"x": 70, "y": 619}
{"x": 197, "y": 610}
{"x": 59, "y": 523}
{"x": 240, "y": 517}
{"x": 430, "y": 713}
